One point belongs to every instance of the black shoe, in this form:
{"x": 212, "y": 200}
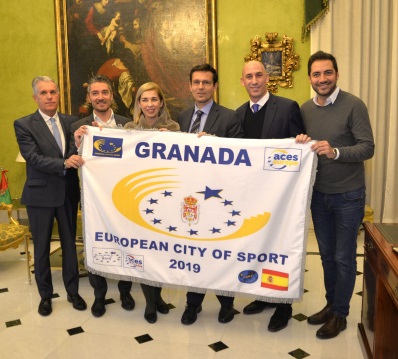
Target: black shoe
{"x": 280, "y": 318}
{"x": 332, "y": 327}
{"x": 257, "y": 307}
{"x": 45, "y": 307}
{"x": 128, "y": 302}
{"x": 163, "y": 308}
{"x": 98, "y": 307}
{"x": 77, "y": 301}
{"x": 190, "y": 314}
{"x": 226, "y": 314}
{"x": 320, "y": 317}
{"x": 150, "y": 315}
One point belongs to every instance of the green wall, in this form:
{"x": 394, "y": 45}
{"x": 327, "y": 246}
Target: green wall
{"x": 240, "y": 21}
{"x": 28, "y": 49}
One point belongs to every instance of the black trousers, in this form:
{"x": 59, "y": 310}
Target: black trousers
{"x": 101, "y": 287}
{"x": 41, "y": 222}
{"x": 197, "y": 299}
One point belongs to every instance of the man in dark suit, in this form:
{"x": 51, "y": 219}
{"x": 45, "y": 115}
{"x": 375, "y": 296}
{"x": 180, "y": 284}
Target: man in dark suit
{"x": 208, "y": 117}
{"x": 99, "y": 94}
{"x": 267, "y": 116}
{"x": 51, "y": 190}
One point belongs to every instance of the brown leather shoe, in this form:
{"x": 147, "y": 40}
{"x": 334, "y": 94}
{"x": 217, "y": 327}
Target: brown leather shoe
{"x": 320, "y": 317}
{"x": 332, "y": 327}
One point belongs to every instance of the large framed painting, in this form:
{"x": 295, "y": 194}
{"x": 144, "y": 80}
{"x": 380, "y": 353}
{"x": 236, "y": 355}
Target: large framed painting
{"x": 132, "y": 42}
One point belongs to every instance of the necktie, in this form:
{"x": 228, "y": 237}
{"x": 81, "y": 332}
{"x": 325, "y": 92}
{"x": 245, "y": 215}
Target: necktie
{"x": 196, "y": 123}
{"x": 255, "y": 107}
{"x": 56, "y": 133}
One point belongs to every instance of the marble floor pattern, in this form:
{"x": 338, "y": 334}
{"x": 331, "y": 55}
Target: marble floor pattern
{"x": 68, "y": 333}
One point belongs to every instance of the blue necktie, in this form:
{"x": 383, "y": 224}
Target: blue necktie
{"x": 255, "y": 107}
{"x": 196, "y": 124}
{"x": 56, "y": 133}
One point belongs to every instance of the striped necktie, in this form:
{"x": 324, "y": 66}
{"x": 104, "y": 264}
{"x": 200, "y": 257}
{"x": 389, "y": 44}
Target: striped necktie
{"x": 56, "y": 133}
{"x": 196, "y": 124}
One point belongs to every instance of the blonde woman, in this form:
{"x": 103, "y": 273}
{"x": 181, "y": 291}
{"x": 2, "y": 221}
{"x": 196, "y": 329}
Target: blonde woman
{"x": 150, "y": 112}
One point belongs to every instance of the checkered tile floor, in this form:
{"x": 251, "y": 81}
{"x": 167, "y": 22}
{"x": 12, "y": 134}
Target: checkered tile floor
{"x": 67, "y": 333}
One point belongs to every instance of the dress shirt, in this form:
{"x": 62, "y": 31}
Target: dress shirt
{"x": 261, "y": 102}
{"x": 58, "y": 123}
{"x": 205, "y": 110}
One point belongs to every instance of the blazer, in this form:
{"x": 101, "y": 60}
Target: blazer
{"x": 282, "y": 118}
{"x": 47, "y": 182}
{"x": 87, "y": 121}
{"x": 221, "y": 122}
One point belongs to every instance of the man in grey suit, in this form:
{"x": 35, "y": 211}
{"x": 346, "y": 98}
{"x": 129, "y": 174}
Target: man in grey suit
{"x": 267, "y": 116}
{"x": 99, "y": 94}
{"x": 51, "y": 190}
{"x": 208, "y": 117}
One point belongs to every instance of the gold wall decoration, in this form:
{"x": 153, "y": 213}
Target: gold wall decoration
{"x": 278, "y": 58}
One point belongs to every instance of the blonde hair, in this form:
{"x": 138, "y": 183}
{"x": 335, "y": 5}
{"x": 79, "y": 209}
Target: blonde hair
{"x": 148, "y": 86}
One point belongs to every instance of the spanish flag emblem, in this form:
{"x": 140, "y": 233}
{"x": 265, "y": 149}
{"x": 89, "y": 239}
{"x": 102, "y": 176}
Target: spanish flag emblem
{"x": 275, "y": 280}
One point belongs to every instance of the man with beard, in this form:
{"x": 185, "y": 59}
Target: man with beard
{"x": 99, "y": 94}
{"x": 340, "y": 122}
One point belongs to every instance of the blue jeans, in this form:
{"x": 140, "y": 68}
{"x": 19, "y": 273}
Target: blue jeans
{"x": 337, "y": 218}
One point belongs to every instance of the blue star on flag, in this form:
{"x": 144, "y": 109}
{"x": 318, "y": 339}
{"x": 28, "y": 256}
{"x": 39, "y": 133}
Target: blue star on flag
{"x": 227, "y": 203}
{"x": 148, "y": 211}
{"x": 192, "y": 232}
{"x": 215, "y": 230}
{"x": 235, "y": 213}
{"x": 230, "y": 223}
{"x": 166, "y": 193}
{"x": 172, "y": 229}
{"x": 156, "y": 221}
{"x": 153, "y": 201}
{"x": 211, "y": 193}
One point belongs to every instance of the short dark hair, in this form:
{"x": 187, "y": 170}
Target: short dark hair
{"x": 99, "y": 78}
{"x": 204, "y": 68}
{"x": 320, "y": 55}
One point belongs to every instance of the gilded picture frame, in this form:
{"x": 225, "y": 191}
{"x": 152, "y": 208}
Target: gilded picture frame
{"x": 278, "y": 57}
{"x": 132, "y": 42}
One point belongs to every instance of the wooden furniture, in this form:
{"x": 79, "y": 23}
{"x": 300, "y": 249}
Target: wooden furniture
{"x": 378, "y": 330}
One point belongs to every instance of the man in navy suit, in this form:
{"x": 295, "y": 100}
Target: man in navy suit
{"x": 208, "y": 117}
{"x": 100, "y": 95}
{"x": 51, "y": 190}
{"x": 267, "y": 116}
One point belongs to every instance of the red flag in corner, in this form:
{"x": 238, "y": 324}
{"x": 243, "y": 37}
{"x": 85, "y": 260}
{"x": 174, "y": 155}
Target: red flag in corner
{"x": 4, "y": 191}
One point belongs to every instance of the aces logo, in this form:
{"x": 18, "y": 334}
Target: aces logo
{"x": 280, "y": 159}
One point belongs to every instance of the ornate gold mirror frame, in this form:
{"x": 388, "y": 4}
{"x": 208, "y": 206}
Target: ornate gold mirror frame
{"x": 278, "y": 58}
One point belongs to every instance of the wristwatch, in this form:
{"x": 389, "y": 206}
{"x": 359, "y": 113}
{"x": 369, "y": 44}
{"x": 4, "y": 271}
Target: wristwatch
{"x": 335, "y": 152}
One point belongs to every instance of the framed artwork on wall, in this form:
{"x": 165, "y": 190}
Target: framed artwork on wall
{"x": 132, "y": 42}
{"x": 278, "y": 57}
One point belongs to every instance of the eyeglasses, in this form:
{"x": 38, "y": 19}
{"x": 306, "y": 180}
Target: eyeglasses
{"x": 205, "y": 83}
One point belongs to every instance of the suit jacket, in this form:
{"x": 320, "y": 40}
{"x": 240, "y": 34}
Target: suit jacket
{"x": 87, "y": 121}
{"x": 282, "y": 118}
{"x": 221, "y": 122}
{"x": 47, "y": 182}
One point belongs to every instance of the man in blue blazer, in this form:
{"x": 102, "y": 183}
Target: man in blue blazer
{"x": 208, "y": 117}
{"x": 51, "y": 190}
{"x": 267, "y": 116}
{"x": 100, "y": 95}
